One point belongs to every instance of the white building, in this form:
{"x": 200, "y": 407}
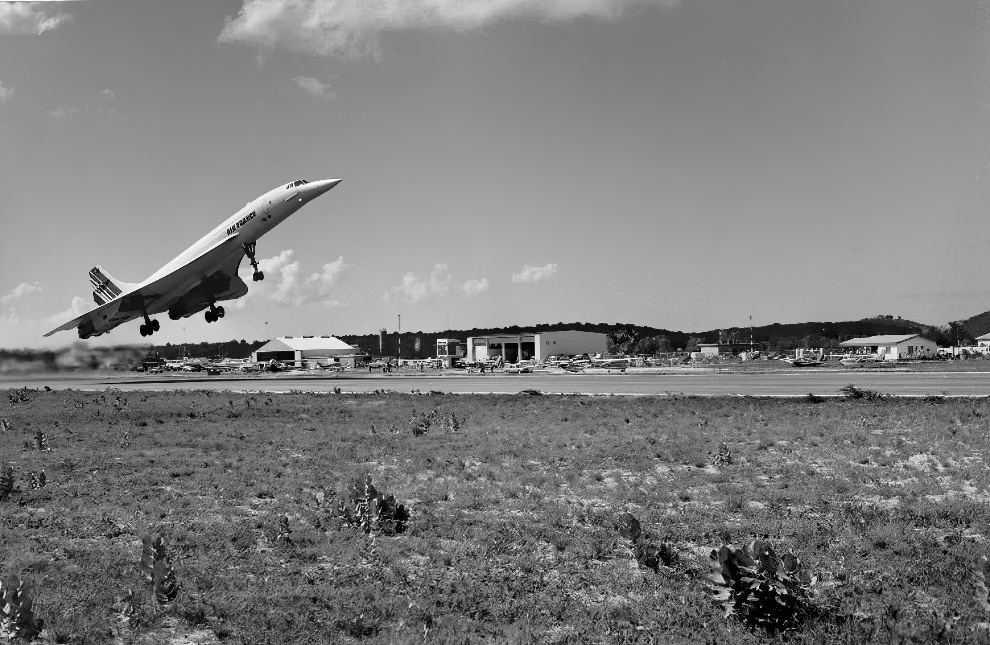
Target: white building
{"x": 983, "y": 341}
{"x": 894, "y": 347}
{"x": 539, "y": 346}
{"x": 308, "y": 352}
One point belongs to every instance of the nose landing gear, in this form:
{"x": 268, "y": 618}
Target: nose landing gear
{"x": 249, "y": 251}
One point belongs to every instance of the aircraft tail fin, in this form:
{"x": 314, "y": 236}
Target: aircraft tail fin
{"x": 105, "y": 286}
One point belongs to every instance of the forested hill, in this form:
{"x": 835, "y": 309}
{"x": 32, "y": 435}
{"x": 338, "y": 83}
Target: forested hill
{"x": 795, "y": 334}
{"x": 977, "y": 325}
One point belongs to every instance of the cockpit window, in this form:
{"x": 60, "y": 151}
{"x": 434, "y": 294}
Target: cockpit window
{"x": 298, "y": 182}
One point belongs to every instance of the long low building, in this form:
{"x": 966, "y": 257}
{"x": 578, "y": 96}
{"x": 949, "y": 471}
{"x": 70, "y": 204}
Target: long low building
{"x": 309, "y": 352}
{"x": 894, "y": 347}
{"x": 512, "y": 348}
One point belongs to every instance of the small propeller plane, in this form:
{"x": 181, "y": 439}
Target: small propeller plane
{"x": 199, "y": 277}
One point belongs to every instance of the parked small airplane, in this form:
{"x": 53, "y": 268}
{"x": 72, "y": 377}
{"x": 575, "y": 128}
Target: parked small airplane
{"x": 200, "y": 276}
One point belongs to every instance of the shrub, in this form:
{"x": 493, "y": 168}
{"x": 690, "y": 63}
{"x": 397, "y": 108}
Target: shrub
{"x": 853, "y": 392}
{"x": 652, "y": 556}
{"x": 18, "y": 396}
{"x": 723, "y": 457}
{"x": 421, "y": 424}
{"x": 371, "y": 510}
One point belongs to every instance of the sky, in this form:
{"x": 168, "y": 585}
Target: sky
{"x": 682, "y": 164}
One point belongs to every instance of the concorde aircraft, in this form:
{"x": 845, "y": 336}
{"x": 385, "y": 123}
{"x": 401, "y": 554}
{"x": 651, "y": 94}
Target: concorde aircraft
{"x": 200, "y": 276}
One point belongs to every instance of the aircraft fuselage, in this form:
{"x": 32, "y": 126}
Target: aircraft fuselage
{"x": 203, "y": 274}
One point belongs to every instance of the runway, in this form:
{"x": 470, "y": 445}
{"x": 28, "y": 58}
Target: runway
{"x": 796, "y": 383}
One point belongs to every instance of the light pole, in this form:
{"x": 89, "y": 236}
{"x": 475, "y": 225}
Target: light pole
{"x": 400, "y": 335}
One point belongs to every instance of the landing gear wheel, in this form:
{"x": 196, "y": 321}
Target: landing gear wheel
{"x": 155, "y": 326}
{"x": 249, "y": 251}
{"x": 144, "y": 329}
{"x": 210, "y": 317}
{"x": 220, "y": 312}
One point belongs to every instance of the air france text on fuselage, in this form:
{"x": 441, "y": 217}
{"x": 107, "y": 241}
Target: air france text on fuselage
{"x": 244, "y": 220}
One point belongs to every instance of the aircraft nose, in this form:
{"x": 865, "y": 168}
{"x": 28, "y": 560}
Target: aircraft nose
{"x": 316, "y": 188}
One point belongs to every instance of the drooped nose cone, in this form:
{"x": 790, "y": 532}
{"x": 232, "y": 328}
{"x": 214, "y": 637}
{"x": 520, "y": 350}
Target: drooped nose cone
{"x": 314, "y": 189}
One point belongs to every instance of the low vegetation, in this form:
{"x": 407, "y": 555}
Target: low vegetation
{"x": 408, "y": 518}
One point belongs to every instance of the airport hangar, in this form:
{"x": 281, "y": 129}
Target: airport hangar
{"x": 540, "y": 346}
{"x": 894, "y": 347}
{"x": 309, "y": 352}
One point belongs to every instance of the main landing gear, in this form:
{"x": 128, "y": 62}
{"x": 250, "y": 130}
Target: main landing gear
{"x": 150, "y": 326}
{"x": 214, "y": 314}
{"x": 249, "y": 251}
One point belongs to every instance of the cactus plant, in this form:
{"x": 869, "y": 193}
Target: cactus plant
{"x": 981, "y": 580}
{"x": 761, "y": 588}
{"x": 157, "y": 568}
{"x": 38, "y": 480}
{"x": 17, "y": 621}
{"x": 723, "y": 457}
{"x": 6, "y": 482}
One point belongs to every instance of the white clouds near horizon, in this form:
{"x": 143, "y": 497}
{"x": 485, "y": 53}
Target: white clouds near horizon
{"x": 6, "y": 93}
{"x": 105, "y": 106}
{"x": 351, "y": 28}
{"x": 30, "y": 17}
{"x": 534, "y": 274}
{"x": 415, "y": 289}
{"x": 474, "y": 287}
{"x": 63, "y": 112}
{"x": 20, "y": 291}
{"x": 285, "y": 282}
{"x": 78, "y": 307}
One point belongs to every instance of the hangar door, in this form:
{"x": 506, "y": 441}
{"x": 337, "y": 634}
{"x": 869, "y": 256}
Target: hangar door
{"x": 480, "y": 352}
{"x": 281, "y": 357}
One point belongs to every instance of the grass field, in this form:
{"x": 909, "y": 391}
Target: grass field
{"x": 523, "y": 516}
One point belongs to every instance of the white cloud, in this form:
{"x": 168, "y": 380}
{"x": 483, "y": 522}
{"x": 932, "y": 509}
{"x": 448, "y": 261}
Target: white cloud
{"x": 414, "y": 289}
{"x": 107, "y": 104}
{"x": 63, "y": 112}
{"x": 20, "y": 291}
{"x": 31, "y": 17}
{"x": 315, "y": 87}
{"x": 285, "y": 282}
{"x": 534, "y": 274}
{"x": 6, "y": 93}
{"x": 351, "y": 28}
{"x": 474, "y": 287}
{"x": 78, "y": 307}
